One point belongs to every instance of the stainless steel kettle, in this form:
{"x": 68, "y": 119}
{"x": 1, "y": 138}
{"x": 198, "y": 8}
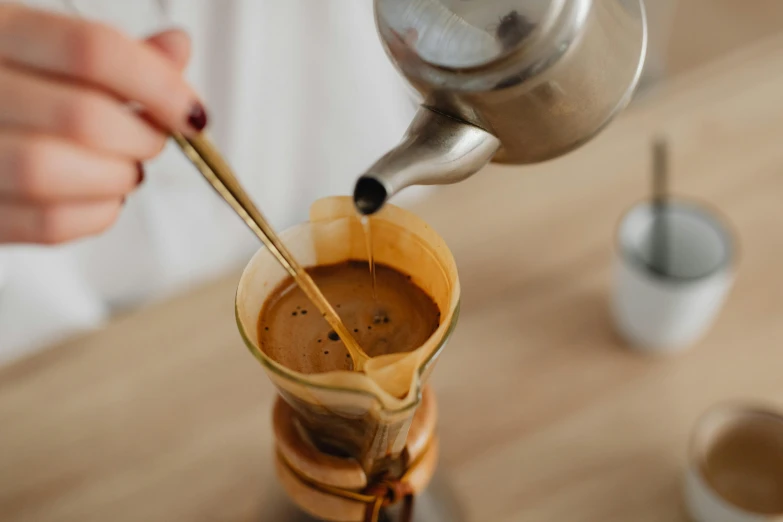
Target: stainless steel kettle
{"x": 511, "y": 81}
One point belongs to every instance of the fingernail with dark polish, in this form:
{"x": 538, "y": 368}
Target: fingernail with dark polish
{"x": 140, "y": 170}
{"x": 197, "y": 118}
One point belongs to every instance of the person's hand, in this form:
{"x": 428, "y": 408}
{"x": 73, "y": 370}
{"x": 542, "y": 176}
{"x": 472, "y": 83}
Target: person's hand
{"x": 71, "y": 144}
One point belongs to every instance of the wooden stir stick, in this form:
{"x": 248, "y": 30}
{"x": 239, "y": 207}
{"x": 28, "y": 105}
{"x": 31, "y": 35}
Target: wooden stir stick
{"x": 208, "y": 160}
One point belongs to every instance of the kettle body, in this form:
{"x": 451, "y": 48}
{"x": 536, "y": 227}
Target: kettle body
{"x": 512, "y": 81}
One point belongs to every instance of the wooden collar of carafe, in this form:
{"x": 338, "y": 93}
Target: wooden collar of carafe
{"x": 337, "y": 489}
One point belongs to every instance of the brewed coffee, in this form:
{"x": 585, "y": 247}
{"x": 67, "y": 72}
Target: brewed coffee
{"x": 400, "y": 317}
{"x": 745, "y": 465}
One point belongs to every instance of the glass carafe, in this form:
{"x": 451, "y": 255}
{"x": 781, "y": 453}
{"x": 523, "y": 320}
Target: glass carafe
{"x": 362, "y": 416}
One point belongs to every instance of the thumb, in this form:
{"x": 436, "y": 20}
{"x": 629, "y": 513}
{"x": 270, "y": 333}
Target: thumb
{"x": 174, "y": 44}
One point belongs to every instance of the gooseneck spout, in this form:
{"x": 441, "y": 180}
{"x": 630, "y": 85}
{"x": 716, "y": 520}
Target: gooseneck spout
{"x": 436, "y": 150}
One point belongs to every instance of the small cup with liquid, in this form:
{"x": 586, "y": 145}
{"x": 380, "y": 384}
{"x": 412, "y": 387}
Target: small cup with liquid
{"x": 735, "y": 465}
{"x": 673, "y": 269}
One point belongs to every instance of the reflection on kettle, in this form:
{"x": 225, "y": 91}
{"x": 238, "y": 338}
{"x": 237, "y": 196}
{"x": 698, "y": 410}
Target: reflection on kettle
{"x": 511, "y": 81}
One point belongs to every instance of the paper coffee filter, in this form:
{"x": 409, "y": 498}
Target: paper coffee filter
{"x": 376, "y": 406}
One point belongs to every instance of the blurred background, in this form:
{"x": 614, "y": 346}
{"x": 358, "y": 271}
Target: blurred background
{"x": 687, "y": 33}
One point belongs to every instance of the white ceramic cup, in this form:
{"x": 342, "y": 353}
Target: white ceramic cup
{"x": 670, "y": 279}
{"x": 754, "y": 476}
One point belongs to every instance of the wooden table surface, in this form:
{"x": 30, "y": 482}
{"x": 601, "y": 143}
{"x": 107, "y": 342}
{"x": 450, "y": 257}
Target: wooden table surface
{"x": 164, "y": 416}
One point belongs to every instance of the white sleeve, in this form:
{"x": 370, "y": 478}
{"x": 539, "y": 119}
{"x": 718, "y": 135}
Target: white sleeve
{"x": 44, "y": 299}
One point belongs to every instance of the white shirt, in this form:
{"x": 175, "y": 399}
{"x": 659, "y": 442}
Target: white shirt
{"x": 301, "y": 99}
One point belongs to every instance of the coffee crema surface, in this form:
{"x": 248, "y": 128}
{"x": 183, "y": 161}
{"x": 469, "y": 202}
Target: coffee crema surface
{"x": 400, "y": 318}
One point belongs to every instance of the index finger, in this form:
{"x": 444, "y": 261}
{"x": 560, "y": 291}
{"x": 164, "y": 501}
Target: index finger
{"x": 102, "y": 56}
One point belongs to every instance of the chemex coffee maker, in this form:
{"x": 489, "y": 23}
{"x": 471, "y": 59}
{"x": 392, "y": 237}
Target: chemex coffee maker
{"x": 510, "y": 81}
